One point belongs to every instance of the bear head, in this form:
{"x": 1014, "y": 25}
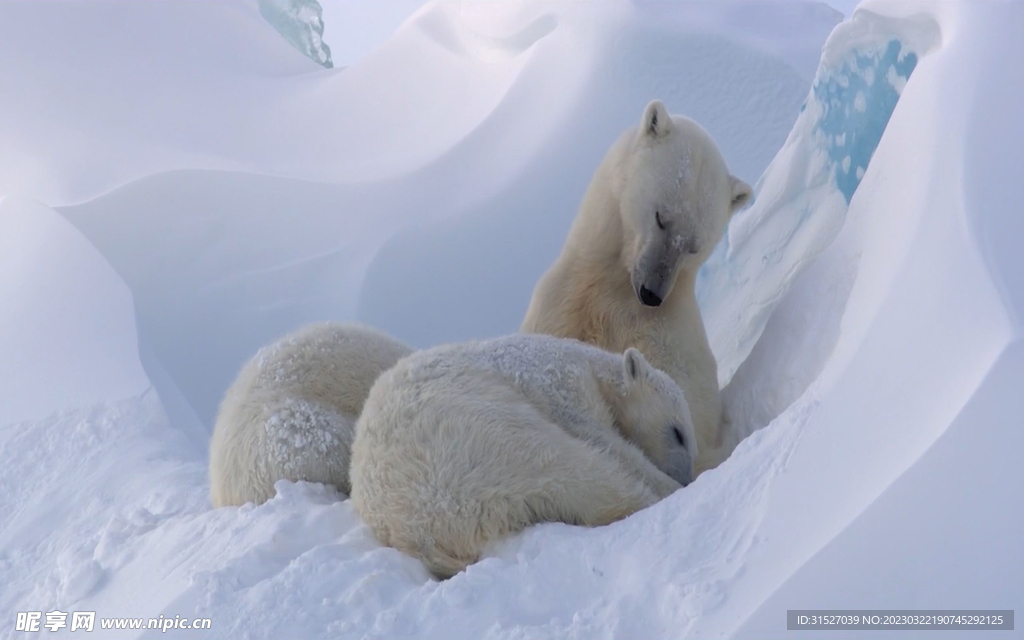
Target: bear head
{"x": 652, "y": 413}
{"x": 675, "y": 198}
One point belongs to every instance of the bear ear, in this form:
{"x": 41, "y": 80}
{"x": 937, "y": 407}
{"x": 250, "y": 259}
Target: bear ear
{"x": 741, "y": 193}
{"x": 635, "y": 367}
{"x": 657, "y": 123}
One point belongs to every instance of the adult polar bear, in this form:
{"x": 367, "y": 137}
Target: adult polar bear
{"x": 658, "y": 204}
{"x": 291, "y": 412}
{"x": 464, "y": 443}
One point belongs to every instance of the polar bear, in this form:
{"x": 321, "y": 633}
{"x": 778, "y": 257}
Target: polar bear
{"x": 291, "y": 412}
{"x": 463, "y": 443}
{"x": 658, "y": 204}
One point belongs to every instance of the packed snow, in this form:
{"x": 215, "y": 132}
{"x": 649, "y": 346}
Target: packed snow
{"x": 56, "y": 285}
{"x": 181, "y": 185}
{"x": 356, "y": 28}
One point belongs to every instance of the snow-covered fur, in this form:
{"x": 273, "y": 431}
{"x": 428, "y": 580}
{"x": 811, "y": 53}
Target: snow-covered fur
{"x": 291, "y": 412}
{"x": 655, "y": 209}
{"x": 463, "y": 443}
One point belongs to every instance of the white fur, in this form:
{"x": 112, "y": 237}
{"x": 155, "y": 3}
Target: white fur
{"x": 464, "y": 443}
{"x": 669, "y": 166}
{"x": 291, "y": 412}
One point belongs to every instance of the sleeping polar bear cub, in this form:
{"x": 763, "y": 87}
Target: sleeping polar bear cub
{"x": 464, "y": 443}
{"x": 291, "y": 413}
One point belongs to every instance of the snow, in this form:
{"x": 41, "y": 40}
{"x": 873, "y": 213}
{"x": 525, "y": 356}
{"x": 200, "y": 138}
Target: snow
{"x": 932, "y": 559}
{"x": 175, "y": 201}
{"x": 54, "y": 283}
{"x": 947, "y": 530}
{"x": 356, "y": 28}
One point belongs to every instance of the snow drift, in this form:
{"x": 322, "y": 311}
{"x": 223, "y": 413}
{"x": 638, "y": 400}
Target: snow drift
{"x": 56, "y": 286}
{"x": 865, "y": 308}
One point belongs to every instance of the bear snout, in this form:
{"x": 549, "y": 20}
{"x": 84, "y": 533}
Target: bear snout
{"x": 648, "y": 298}
{"x": 680, "y": 467}
{"x": 684, "y": 476}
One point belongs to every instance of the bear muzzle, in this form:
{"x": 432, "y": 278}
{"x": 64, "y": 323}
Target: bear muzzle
{"x": 648, "y": 298}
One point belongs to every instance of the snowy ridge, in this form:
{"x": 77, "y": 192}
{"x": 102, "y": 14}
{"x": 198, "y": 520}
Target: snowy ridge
{"x": 56, "y": 284}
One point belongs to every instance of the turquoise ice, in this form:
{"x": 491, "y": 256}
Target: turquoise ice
{"x": 802, "y": 198}
{"x": 301, "y": 22}
{"x": 857, "y": 101}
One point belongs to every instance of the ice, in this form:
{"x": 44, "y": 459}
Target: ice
{"x": 802, "y": 198}
{"x": 864, "y": 129}
{"x": 301, "y": 22}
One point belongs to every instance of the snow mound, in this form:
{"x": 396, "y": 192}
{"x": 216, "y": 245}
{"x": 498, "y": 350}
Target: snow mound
{"x": 54, "y": 285}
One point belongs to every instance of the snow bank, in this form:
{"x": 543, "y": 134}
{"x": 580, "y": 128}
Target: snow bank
{"x": 356, "y": 28}
{"x": 968, "y": 152}
{"x": 87, "y": 455}
{"x": 78, "y": 489}
{"x": 67, "y": 326}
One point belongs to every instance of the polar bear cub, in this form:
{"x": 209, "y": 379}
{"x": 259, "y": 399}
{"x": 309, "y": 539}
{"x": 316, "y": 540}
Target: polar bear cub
{"x": 291, "y": 412}
{"x": 464, "y": 443}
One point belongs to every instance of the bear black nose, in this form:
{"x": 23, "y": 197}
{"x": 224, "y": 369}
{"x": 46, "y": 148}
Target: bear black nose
{"x": 649, "y": 298}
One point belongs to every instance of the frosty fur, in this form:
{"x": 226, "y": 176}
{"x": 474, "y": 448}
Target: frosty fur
{"x": 461, "y": 444}
{"x": 291, "y": 412}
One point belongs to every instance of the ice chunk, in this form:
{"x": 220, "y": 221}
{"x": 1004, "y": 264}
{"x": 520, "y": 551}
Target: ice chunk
{"x": 802, "y": 198}
{"x": 301, "y": 22}
{"x": 852, "y": 103}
